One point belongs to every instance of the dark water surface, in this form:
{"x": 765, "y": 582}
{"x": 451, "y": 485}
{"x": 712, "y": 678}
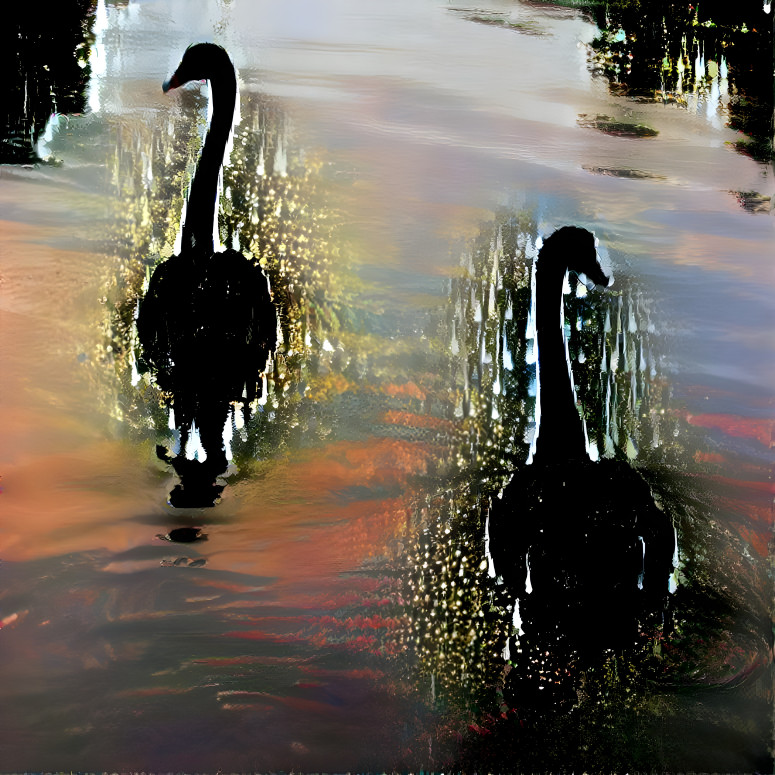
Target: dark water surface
{"x": 393, "y": 170}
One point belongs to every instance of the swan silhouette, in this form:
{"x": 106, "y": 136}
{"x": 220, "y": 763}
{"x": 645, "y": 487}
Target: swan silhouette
{"x": 582, "y": 544}
{"x": 207, "y": 324}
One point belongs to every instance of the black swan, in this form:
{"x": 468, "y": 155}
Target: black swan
{"x": 582, "y": 544}
{"x": 207, "y": 324}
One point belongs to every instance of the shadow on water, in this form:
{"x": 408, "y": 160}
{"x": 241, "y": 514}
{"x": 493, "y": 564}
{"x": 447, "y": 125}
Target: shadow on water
{"x": 45, "y": 62}
{"x": 579, "y": 661}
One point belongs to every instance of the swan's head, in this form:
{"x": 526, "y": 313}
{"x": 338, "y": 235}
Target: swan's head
{"x": 575, "y": 248}
{"x": 200, "y": 63}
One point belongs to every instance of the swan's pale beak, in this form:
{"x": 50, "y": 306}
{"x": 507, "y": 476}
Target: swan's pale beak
{"x": 597, "y": 277}
{"x": 173, "y": 83}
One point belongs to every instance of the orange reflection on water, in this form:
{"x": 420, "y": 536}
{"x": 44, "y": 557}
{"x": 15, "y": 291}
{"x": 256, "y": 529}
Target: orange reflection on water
{"x": 324, "y": 511}
{"x": 733, "y": 425}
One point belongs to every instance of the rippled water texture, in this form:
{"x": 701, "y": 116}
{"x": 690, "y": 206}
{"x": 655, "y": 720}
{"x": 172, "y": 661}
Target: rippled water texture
{"x": 395, "y": 169}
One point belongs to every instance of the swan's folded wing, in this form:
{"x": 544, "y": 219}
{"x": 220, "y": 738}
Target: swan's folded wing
{"x": 153, "y": 322}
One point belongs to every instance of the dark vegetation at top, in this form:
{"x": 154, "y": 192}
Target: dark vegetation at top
{"x": 648, "y": 50}
{"x": 45, "y": 61}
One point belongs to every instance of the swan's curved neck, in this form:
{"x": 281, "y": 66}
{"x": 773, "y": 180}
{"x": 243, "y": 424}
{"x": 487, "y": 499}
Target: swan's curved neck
{"x": 203, "y": 195}
{"x": 561, "y": 432}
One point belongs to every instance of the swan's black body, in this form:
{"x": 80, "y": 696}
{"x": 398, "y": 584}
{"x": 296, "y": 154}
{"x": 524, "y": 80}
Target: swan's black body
{"x": 207, "y": 324}
{"x": 568, "y": 535}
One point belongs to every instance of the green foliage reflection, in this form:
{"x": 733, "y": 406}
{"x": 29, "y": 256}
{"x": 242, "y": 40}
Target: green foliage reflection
{"x": 713, "y": 54}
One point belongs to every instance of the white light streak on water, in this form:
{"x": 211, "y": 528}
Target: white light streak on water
{"x": 239, "y": 418}
{"x": 672, "y": 584}
{"x": 97, "y": 58}
{"x": 281, "y": 160}
{"x": 508, "y": 361}
{"x": 699, "y": 66}
{"x": 261, "y": 401}
{"x": 135, "y": 373}
{"x": 228, "y": 434}
{"x": 194, "y": 448}
{"x": 517, "y": 618}
{"x": 490, "y": 564}
{"x": 676, "y": 559}
{"x": 52, "y": 127}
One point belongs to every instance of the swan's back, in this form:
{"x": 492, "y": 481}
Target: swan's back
{"x": 208, "y": 325}
{"x": 597, "y": 549}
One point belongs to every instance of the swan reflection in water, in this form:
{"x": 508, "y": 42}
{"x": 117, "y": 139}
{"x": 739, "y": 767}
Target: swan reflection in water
{"x": 580, "y": 543}
{"x": 207, "y": 325}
